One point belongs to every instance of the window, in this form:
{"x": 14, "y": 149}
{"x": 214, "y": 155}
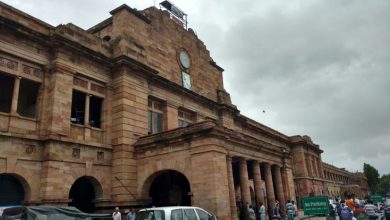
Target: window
{"x": 186, "y": 78}
{"x": 95, "y": 111}
{"x": 185, "y": 118}
{"x": 79, "y": 107}
{"x": 155, "y": 116}
{"x": 7, "y": 87}
{"x": 28, "y": 95}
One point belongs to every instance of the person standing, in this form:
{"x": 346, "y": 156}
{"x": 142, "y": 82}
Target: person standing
{"x": 290, "y": 210}
{"x": 262, "y": 211}
{"x": 276, "y": 211}
{"x": 372, "y": 211}
{"x": 295, "y": 209}
{"x": 251, "y": 211}
{"x": 346, "y": 212}
{"x": 116, "y": 215}
{"x": 131, "y": 214}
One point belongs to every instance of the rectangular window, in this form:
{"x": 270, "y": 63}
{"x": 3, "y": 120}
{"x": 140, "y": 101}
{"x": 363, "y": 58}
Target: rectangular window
{"x": 28, "y": 95}
{"x": 78, "y": 107}
{"x": 95, "y": 111}
{"x": 6, "y": 92}
{"x": 155, "y": 116}
{"x": 185, "y": 117}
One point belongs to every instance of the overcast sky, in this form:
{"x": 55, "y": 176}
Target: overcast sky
{"x": 319, "y": 68}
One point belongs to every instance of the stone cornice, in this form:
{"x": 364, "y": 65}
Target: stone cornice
{"x": 214, "y": 64}
{"x": 58, "y": 40}
{"x": 265, "y": 130}
{"x": 133, "y": 11}
{"x": 175, "y": 135}
{"x": 24, "y": 15}
{"x": 297, "y": 140}
{"x": 210, "y": 129}
{"x": 100, "y": 26}
{"x": 22, "y": 29}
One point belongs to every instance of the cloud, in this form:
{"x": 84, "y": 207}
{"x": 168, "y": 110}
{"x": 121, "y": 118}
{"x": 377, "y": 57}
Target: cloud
{"x": 319, "y": 69}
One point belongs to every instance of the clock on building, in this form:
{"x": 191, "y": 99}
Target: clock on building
{"x": 184, "y": 59}
{"x": 186, "y": 80}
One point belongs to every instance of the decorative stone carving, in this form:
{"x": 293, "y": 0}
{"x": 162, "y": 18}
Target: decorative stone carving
{"x": 80, "y": 82}
{"x": 97, "y": 88}
{"x": 10, "y": 64}
{"x": 32, "y": 71}
{"x": 76, "y": 153}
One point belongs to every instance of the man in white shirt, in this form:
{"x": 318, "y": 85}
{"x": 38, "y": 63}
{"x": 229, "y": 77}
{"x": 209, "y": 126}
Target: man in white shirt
{"x": 116, "y": 215}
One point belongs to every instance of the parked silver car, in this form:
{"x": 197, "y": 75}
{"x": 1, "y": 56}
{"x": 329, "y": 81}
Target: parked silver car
{"x": 174, "y": 213}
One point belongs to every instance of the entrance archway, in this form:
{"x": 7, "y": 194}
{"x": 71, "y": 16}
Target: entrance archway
{"x": 83, "y": 193}
{"x": 170, "y": 188}
{"x": 11, "y": 190}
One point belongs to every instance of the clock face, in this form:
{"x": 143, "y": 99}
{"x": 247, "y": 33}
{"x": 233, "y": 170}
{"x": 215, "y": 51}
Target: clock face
{"x": 186, "y": 80}
{"x": 184, "y": 59}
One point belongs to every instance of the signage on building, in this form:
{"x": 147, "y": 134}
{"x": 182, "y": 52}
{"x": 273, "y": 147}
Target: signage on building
{"x": 176, "y": 14}
{"x": 376, "y": 198}
{"x": 316, "y": 205}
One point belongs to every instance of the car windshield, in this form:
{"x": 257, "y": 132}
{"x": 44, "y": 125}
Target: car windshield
{"x": 150, "y": 215}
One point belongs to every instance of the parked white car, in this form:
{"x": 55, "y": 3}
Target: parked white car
{"x": 174, "y": 213}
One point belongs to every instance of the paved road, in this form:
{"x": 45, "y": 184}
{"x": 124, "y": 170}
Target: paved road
{"x": 302, "y": 216}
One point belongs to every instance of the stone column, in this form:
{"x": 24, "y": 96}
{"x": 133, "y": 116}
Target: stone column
{"x": 279, "y": 188}
{"x": 308, "y": 165}
{"x": 286, "y": 185}
{"x": 317, "y": 174}
{"x": 232, "y": 194}
{"x": 15, "y": 96}
{"x": 321, "y": 169}
{"x": 86, "y": 113}
{"x": 257, "y": 182}
{"x": 87, "y": 130}
{"x": 269, "y": 187}
{"x": 244, "y": 182}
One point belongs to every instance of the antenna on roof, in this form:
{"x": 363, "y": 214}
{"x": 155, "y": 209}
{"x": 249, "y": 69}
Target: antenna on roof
{"x": 175, "y": 13}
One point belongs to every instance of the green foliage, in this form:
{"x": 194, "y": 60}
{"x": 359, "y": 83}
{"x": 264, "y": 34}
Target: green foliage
{"x": 372, "y": 176}
{"x": 383, "y": 186}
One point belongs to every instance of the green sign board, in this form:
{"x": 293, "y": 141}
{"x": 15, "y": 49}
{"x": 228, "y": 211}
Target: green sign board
{"x": 376, "y": 198}
{"x": 317, "y": 205}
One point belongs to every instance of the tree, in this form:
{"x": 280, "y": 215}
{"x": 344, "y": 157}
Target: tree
{"x": 383, "y": 186}
{"x": 372, "y": 175}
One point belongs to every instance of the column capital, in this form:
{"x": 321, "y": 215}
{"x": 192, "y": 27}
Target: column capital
{"x": 229, "y": 157}
{"x": 242, "y": 159}
{"x": 266, "y": 165}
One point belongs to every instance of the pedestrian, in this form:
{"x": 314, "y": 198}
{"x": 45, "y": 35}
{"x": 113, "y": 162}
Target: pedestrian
{"x": 116, "y": 215}
{"x": 251, "y": 212}
{"x": 372, "y": 211}
{"x": 131, "y": 214}
{"x": 295, "y": 209}
{"x": 276, "y": 211}
{"x": 338, "y": 207}
{"x": 290, "y": 210}
{"x": 346, "y": 212}
{"x": 332, "y": 212}
{"x": 262, "y": 211}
